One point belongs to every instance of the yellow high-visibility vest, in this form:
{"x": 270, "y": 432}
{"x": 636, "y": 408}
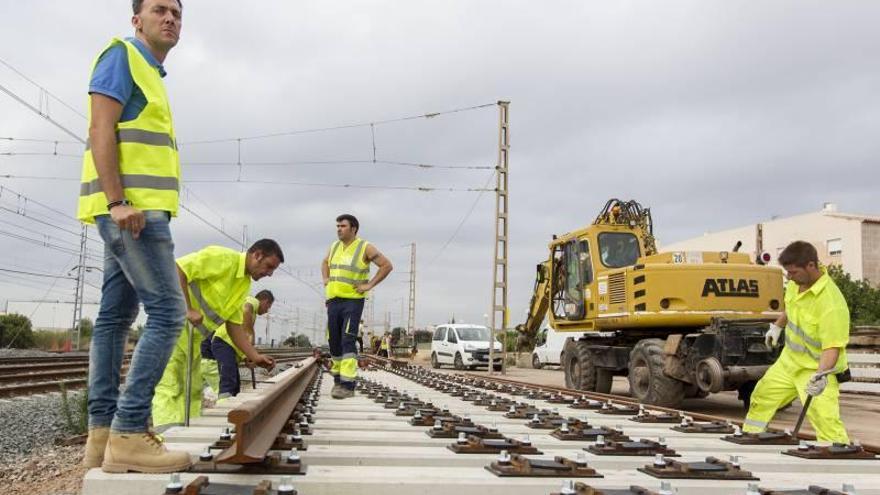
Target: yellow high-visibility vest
{"x": 818, "y": 319}
{"x": 218, "y": 284}
{"x": 347, "y": 269}
{"x": 223, "y": 334}
{"x": 149, "y": 166}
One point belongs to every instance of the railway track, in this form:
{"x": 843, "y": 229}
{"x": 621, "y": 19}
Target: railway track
{"x": 409, "y": 430}
{"x": 22, "y": 376}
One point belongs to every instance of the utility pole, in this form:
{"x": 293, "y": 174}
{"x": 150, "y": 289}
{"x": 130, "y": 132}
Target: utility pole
{"x": 411, "y": 319}
{"x": 80, "y": 288}
{"x": 499, "y": 260}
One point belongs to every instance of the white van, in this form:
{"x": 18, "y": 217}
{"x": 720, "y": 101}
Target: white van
{"x": 549, "y": 346}
{"x": 462, "y": 346}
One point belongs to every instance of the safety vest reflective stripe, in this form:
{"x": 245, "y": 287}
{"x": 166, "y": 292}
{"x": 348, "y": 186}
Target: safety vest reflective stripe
{"x": 350, "y": 355}
{"x": 755, "y": 423}
{"x": 796, "y": 347}
{"x": 347, "y": 280}
{"x": 141, "y": 136}
{"x": 803, "y": 335}
{"x": 134, "y": 180}
{"x": 353, "y": 267}
{"x": 206, "y": 309}
{"x": 350, "y": 268}
{"x": 203, "y": 330}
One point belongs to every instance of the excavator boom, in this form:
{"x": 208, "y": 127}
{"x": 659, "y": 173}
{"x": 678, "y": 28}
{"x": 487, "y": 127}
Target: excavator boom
{"x": 538, "y": 305}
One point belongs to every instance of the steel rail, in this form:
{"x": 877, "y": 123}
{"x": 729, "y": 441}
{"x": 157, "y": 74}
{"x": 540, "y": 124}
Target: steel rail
{"x": 258, "y": 422}
{"x": 396, "y": 363}
{"x": 43, "y": 375}
{"x": 35, "y": 388}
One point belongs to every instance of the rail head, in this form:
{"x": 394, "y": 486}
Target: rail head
{"x": 259, "y": 421}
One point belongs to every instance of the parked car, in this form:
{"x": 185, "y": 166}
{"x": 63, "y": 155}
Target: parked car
{"x": 549, "y": 346}
{"x": 463, "y": 346}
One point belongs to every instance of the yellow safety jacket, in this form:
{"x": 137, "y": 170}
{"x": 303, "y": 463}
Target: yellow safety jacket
{"x": 223, "y": 334}
{"x": 149, "y": 166}
{"x": 347, "y": 269}
{"x": 818, "y": 319}
{"x": 218, "y": 284}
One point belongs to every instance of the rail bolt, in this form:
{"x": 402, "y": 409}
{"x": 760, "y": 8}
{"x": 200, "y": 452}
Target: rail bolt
{"x": 666, "y": 488}
{"x": 600, "y": 440}
{"x": 659, "y": 461}
{"x": 462, "y": 438}
{"x": 438, "y": 425}
{"x": 567, "y": 488}
{"x": 293, "y": 457}
{"x": 174, "y": 485}
{"x": 206, "y": 456}
{"x": 226, "y": 435}
{"x": 285, "y": 487}
{"x": 581, "y": 460}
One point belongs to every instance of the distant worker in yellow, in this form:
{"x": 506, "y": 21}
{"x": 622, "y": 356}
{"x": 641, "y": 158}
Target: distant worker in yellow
{"x": 816, "y": 323}
{"x": 346, "y": 274}
{"x": 215, "y": 282}
{"x": 230, "y": 353}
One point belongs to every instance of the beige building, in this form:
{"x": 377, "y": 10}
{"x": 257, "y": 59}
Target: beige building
{"x": 852, "y": 241}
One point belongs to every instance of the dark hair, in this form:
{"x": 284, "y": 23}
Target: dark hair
{"x": 351, "y": 221}
{"x": 799, "y": 253}
{"x": 268, "y": 247}
{"x": 265, "y": 295}
{"x": 137, "y": 5}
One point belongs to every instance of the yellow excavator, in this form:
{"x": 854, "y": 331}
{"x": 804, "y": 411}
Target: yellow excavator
{"x": 677, "y": 324}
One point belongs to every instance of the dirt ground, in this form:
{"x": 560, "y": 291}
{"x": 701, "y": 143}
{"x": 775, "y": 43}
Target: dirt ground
{"x": 859, "y": 412}
{"x": 51, "y": 471}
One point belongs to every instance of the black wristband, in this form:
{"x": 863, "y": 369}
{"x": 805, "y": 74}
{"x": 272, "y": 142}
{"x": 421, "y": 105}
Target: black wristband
{"x": 121, "y": 202}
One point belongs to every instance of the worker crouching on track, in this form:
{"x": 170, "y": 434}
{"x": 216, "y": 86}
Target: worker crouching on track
{"x": 230, "y": 353}
{"x": 346, "y": 273}
{"x": 215, "y": 282}
{"x": 816, "y": 323}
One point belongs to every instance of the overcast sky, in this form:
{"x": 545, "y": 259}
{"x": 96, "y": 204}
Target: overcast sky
{"x": 715, "y": 114}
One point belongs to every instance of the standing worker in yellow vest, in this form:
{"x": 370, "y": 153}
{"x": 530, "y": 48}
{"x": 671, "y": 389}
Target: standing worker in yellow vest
{"x": 129, "y": 190}
{"x": 228, "y": 353}
{"x": 816, "y": 323}
{"x": 346, "y": 273}
{"x": 215, "y": 282}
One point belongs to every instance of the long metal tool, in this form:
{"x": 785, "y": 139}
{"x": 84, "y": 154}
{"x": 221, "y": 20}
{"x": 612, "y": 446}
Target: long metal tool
{"x": 803, "y": 414}
{"x": 187, "y": 399}
{"x": 254, "y": 378}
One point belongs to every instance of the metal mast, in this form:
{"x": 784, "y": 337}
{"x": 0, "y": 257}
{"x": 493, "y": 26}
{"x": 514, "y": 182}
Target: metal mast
{"x": 499, "y": 260}
{"x": 80, "y": 287}
{"x": 411, "y": 320}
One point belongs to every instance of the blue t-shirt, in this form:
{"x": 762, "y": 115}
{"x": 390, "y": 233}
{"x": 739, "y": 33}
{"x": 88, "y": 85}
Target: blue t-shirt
{"x": 112, "y": 78}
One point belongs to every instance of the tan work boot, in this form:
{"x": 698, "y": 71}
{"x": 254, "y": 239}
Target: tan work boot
{"x": 95, "y": 445}
{"x": 141, "y": 452}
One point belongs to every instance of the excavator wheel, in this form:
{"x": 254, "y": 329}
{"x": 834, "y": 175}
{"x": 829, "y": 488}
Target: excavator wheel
{"x": 580, "y": 373}
{"x": 647, "y": 382}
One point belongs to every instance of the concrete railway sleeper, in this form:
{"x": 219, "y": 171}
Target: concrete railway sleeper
{"x": 369, "y": 445}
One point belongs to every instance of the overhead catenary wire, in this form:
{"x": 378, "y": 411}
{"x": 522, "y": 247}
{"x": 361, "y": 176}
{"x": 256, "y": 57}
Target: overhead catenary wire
{"x": 372, "y": 124}
{"x": 288, "y": 183}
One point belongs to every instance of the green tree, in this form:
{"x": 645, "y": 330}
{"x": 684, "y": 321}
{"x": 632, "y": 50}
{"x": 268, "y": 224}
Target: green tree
{"x": 862, "y": 298}
{"x": 86, "y": 326}
{"x": 297, "y": 340}
{"x": 16, "y": 329}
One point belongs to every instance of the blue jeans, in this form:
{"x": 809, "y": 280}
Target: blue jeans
{"x": 227, "y": 361}
{"x": 135, "y": 271}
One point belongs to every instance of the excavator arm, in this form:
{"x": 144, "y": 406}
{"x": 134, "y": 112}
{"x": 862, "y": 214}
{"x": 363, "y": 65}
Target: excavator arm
{"x": 538, "y": 305}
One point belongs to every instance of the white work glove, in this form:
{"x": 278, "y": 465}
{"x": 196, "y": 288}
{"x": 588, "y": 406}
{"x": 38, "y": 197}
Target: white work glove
{"x": 817, "y": 384}
{"x": 771, "y": 338}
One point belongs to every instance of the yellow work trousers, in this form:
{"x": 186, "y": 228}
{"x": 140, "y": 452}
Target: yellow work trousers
{"x": 210, "y": 374}
{"x": 169, "y": 402}
{"x": 784, "y": 382}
